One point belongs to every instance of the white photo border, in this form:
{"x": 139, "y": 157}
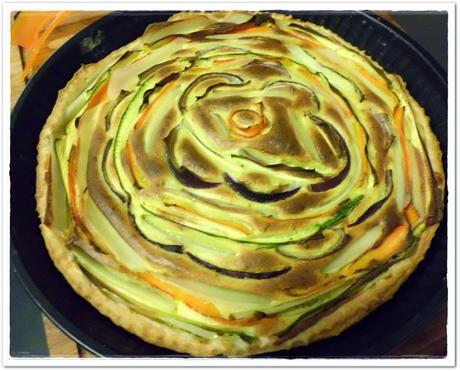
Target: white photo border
{"x": 448, "y": 361}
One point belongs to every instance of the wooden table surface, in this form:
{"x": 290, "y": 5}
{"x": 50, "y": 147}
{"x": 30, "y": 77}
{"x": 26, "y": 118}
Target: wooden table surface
{"x": 431, "y": 340}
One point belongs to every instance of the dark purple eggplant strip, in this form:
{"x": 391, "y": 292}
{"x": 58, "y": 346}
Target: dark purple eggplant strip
{"x": 347, "y": 102}
{"x": 382, "y": 120}
{"x": 170, "y": 248}
{"x": 211, "y": 88}
{"x": 309, "y": 319}
{"x": 332, "y": 182}
{"x": 225, "y": 27}
{"x": 115, "y": 214}
{"x": 366, "y": 150}
{"x": 204, "y": 77}
{"x": 144, "y": 75}
{"x": 303, "y": 324}
{"x": 239, "y": 274}
{"x": 369, "y": 212}
{"x": 160, "y": 84}
{"x": 256, "y": 196}
{"x": 187, "y": 178}
{"x": 295, "y": 170}
{"x": 340, "y": 142}
{"x": 436, "y": 207}
{"x": 182, "y": 174}
{"x": 309, "y": 173}
{"x": 295, "y": 83}
{"x": 104, "y": 172}
{"x": 260, "y": 18}
{"x": 48, "y": 219}
{"x": 373, "y": 208}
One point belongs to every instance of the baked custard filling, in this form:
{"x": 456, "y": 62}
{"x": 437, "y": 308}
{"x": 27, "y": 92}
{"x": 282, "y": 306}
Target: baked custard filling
{"x": 240, "y": 176}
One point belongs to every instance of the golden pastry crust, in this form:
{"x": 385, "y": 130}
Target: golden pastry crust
{"x": 376, "y": 292}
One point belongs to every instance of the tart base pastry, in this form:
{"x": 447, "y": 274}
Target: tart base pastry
{"x": 146, "y": 296}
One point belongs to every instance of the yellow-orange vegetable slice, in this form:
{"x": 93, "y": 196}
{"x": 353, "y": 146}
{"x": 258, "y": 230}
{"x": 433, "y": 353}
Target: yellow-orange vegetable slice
{"x": 389, "y": 246}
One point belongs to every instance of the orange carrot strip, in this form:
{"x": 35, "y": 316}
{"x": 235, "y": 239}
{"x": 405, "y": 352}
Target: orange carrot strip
{"x": 374, "y": 81}
{"x": 411, "y": 214}
{"x": 224, "y": 61}
{"x": 312, "y": 44}
{"x": 34, "y": 42}
{"x": 100, "y": 96}
{"x": 135, "y": 170}
{"x": 389, "y": 246}
{"x": 58, "y": 18}
{"x": 399, "y": 123}
{"x": 73, "y": 196}
{"x": 251, "y": 29}
{"x": 198, "y": 69}
{"x": 27, "y": 26}
{"x": 144, "y": 116}
{"x": 250, "y": 132}
{"x": 308, "y": 40}
{"x": 362, "y": 146}
{"x": 315, "y": 81}
{"x": 205, "y": 308}
{"x": 195, "y": 303}
{"x": 149, "y": 109}
{"x": 311, "y": 77}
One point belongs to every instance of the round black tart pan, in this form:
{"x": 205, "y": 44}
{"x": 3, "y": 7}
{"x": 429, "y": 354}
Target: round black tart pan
{"x": 375, "y": 336}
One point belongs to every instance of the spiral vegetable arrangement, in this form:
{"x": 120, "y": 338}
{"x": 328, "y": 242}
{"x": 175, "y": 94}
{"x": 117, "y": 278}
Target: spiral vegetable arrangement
{"x": 233, "y": 183}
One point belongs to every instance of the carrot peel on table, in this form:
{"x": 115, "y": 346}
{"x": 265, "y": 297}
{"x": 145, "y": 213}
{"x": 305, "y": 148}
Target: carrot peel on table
{"x": 31, "y": 29}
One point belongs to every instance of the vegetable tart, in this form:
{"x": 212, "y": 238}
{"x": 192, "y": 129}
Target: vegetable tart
{"x": 234, "y": 183}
